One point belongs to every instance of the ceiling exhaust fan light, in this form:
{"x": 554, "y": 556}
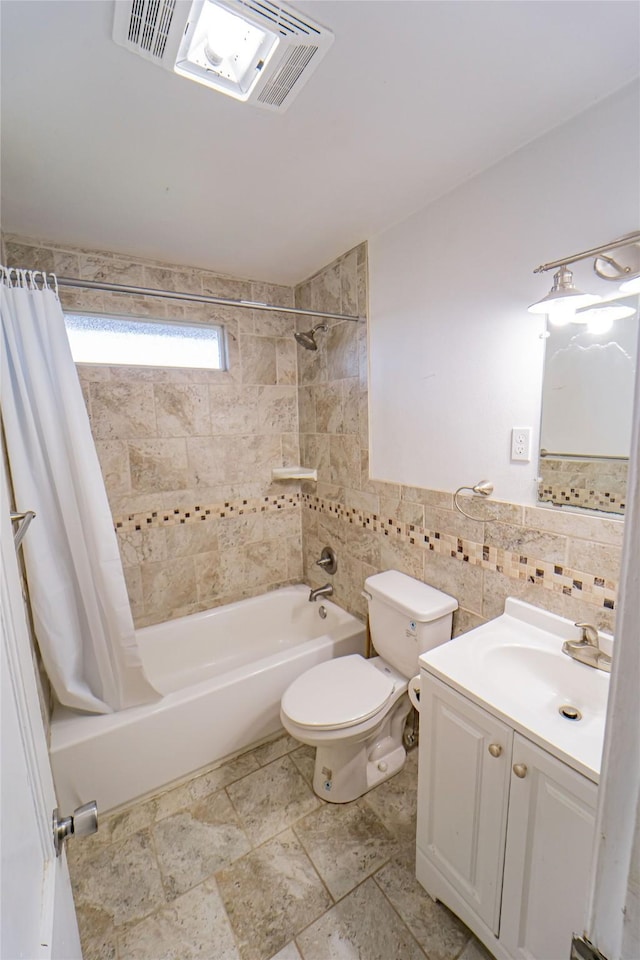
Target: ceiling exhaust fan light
{"x": 223, "y": 50}
{"x": 260, "y": 52}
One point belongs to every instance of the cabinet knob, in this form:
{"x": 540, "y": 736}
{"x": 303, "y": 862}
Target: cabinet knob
{"x": 520, "y": 770}
{"x": 495, "y": 749}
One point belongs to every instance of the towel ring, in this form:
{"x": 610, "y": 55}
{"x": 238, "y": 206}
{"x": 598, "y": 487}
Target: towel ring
{"x": 485, "y": 489}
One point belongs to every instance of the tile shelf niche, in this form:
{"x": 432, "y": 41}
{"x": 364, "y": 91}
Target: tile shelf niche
{"x": 294, "y": 473}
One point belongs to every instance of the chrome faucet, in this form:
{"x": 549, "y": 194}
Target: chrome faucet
{"x": 325, "y": 591}
{"x": 587, "y": 648}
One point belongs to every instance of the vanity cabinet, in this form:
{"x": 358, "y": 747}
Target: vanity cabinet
{"x": 505, "y": 830}
{"x": 550, "y": 834}
{"x": 462, "y": 798}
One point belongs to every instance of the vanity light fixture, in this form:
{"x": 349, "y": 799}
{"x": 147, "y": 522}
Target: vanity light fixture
{"x": 600, "y": 318}
{"x": 564, "y": 298}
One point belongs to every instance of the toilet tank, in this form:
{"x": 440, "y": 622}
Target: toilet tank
{"x": 406, "y": 618}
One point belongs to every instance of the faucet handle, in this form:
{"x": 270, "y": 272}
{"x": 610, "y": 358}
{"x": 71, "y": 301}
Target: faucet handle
{"x": 328, "y": 560}
{"x": 589, "y": 633}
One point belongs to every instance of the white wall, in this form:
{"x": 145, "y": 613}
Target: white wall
{"x": 455, "y": 358}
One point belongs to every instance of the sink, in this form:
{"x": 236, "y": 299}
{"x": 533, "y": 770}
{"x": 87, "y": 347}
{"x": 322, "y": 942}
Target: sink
{"x": 514, "y": 667}
{"x": 548, "y": 678}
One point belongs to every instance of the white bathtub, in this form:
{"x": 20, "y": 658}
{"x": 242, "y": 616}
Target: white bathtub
{"x": 222, "y": 674}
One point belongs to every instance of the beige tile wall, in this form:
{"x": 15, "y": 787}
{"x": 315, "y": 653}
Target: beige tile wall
{"x": 187, "y": 454}
{"x": 187, "y": 458}
{"x": 565, "y": 562}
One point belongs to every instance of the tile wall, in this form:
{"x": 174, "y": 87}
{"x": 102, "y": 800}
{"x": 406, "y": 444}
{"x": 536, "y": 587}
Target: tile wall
{"x": 597, "y": 484}
{"x": 563, "y": 561}
{"x": 187, "y": 454}
{"x": 187, "y": 459}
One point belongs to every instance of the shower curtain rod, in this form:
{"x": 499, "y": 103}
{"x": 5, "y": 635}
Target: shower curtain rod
{"x": 198, "y": 298}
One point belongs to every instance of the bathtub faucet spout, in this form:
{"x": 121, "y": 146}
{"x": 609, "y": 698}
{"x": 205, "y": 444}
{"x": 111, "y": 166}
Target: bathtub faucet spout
{"x": 325, "y": 591}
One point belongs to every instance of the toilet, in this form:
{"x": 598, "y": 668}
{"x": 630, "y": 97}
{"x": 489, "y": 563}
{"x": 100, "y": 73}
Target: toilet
{"x": 353, "y": 710}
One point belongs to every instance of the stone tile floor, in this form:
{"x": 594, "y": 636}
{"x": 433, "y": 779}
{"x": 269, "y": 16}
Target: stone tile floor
{"x": 244, "y": 862}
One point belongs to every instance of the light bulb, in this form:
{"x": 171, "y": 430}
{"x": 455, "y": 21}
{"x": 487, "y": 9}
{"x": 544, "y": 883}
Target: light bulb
{"x": 601, "y": 319}
{"x": 631, "y": 286}
{"x": 600, "y": 324}
{"x": 560, "y": 313}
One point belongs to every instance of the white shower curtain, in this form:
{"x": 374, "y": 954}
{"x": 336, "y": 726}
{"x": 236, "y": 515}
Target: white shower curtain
{"x": 77, "y": 592}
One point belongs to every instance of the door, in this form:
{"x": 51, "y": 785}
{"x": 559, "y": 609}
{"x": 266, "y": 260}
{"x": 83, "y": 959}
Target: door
{"x": 37, "y": 917}
{"x": 550, "y": 841}
{"x": 463, "y": 793}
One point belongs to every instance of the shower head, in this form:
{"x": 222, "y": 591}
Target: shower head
{"x": 308, "y": 339}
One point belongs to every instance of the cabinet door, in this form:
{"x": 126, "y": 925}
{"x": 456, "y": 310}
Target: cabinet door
{"x": 548, "y": 857}
{"x": 462, "y": 795}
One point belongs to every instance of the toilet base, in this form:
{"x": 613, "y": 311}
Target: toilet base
{"x": 345, "y": 771}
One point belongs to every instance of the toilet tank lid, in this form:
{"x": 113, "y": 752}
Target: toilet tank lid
{"x": 413, "y": 597}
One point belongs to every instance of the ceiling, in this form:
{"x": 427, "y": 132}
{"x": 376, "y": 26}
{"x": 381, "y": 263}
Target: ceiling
{"x": 103, "y": 149}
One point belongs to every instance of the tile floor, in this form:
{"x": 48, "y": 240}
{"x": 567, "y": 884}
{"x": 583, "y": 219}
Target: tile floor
{"x": 244, "y": 862}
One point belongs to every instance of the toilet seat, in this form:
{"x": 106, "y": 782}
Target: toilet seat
{"x": 337, "y": 694}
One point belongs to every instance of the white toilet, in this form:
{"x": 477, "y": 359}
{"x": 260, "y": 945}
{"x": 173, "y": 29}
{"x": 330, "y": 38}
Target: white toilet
{"x": 353, "y": 710}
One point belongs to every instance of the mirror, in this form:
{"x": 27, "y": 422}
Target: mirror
{"x": 587, "y": 405}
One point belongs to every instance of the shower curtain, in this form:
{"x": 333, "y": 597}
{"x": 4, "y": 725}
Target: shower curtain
{"x": 77, "y": 592}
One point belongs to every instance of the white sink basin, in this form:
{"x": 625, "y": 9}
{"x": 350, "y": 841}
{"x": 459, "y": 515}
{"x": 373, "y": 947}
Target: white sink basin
{"x": 514, "y": 667}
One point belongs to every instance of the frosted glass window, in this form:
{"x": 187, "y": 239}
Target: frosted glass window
{"x": 148, "y": 343}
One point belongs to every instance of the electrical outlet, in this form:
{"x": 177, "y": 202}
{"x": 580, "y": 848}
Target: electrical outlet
{"x": 521, "y": 443}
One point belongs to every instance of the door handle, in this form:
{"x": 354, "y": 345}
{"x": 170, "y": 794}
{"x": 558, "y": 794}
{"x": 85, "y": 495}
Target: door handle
{"x": 83, "y": 823}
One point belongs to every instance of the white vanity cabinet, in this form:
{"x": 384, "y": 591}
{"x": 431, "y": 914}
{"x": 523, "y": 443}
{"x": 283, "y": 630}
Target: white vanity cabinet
{"x": 550, "y": 834}
{"x": 505, "y": 830}
{"x": 463, "y": 794}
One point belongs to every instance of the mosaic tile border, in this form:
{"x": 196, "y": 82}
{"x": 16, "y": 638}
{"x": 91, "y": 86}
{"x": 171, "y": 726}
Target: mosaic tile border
{"x": 599, "y": 591}
{"x": 592, "y": 589}
{"x": 198, "y": 513}
{"x": 561, "y": 493}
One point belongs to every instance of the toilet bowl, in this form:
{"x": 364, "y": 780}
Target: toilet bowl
{"x": 353, "y": 710}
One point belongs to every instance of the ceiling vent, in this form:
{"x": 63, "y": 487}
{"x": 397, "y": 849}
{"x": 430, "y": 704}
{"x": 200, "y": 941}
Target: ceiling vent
{"x": 253, "y": 50}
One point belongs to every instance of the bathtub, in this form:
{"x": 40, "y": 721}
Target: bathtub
{"x": 221, "y": 673}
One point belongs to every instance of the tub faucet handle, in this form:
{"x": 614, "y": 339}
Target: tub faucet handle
{"x": 328, "y": 560}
